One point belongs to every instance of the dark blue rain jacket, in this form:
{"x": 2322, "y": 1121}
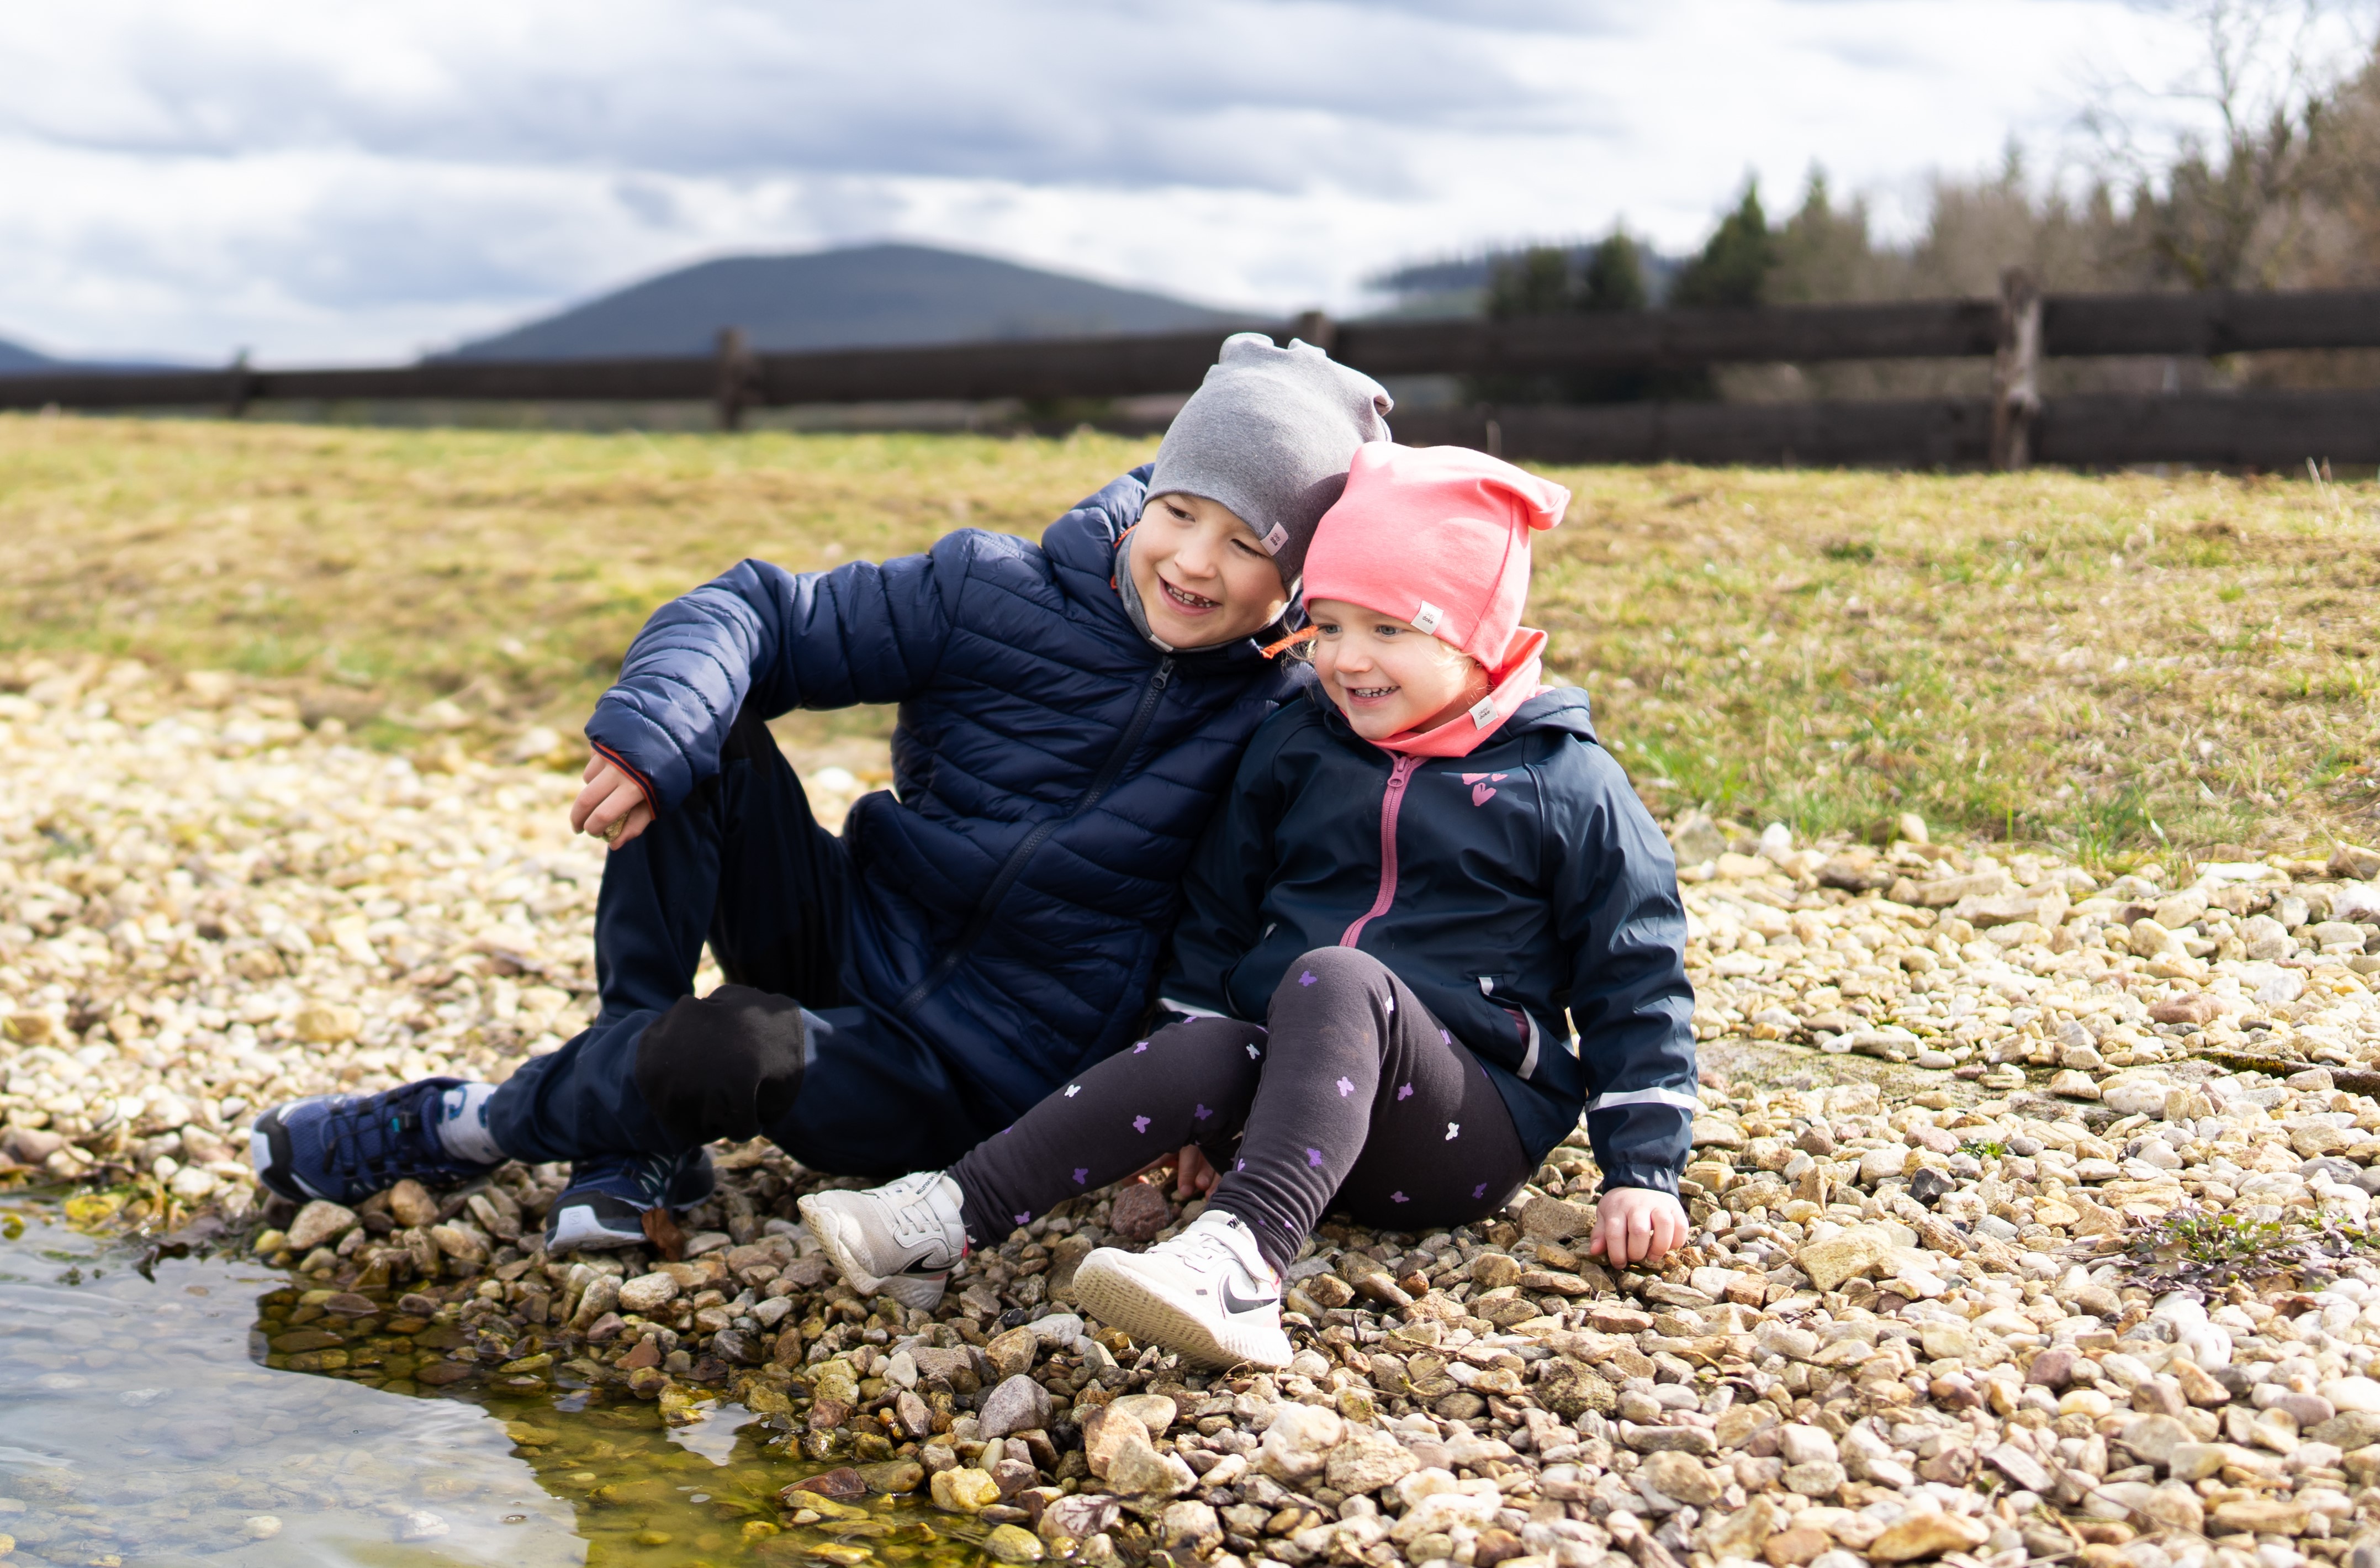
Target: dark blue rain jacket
{"x": 1052, "y": 771}
{"x": 1521, "y": 892}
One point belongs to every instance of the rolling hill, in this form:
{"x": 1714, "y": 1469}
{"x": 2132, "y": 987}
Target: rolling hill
{"x": 863, "y": 295}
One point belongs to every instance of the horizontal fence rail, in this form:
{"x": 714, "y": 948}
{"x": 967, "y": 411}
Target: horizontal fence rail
{"x": 2249, "y": 429}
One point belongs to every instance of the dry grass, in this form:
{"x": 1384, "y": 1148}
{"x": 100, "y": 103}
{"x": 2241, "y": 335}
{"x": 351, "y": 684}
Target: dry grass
{"x": 2122, "y": 666}
{"x": 2119, "y": 665}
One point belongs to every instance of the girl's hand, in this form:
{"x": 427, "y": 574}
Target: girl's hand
{"x": 1637, "y": 1224}
{"x": 612, "y": 807}
{"x": 1192, "y": 1176}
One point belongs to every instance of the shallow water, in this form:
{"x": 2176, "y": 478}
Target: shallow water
{"x": 215, "y": 1413}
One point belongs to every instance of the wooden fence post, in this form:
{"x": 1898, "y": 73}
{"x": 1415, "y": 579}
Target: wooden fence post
{"x": 1316, "y": 328}
{"x": 242, "y": 386}
{"x": 2016, "y": 370}
{"x": 739, "y": 378}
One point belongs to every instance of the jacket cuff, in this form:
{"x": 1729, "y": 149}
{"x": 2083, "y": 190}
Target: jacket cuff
{"x": 1653, "y": 1178}
{"x": 652, "y": 796}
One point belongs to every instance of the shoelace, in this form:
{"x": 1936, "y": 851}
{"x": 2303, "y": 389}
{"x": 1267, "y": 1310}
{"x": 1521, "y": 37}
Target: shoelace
{"x": 652, "y": 1174}
{"x": 914, "y": 1219}
{"x": 367, "y": 1137}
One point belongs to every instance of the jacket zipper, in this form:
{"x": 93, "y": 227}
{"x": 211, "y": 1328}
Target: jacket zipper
{"x": 1013, "y": 867}
{"x": 1391, "y": 798}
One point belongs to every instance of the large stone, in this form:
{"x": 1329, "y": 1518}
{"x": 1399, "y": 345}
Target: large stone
{"x": 1154, "y": 1411}
{"x": 1013, "y": 1351}
{"x": 1554, "y": 1219}
{"x": 965, "y": 1491}
{"x": 1738, "y": 1424}
{"x": 1078, "y": 1517}
{"x": 1681, "y": 1477}
{"x": 1189, "y": 1525}
{"x": 1009, "y": 1543}
{"x": 1800, "y": 1444}
{"x": 1297, "y": 1444}
{"x": 1139, "y": 1212}
{"x": 1570, "y": 1389}
{"x": 2350, "y": 1429}
{"x": 1927, "y": 1535}
{"x": 1105, "y": 1435}
{"x": 319, "y": 1223}
{"x": 2261, "y": 1516}
{"x": 1138, "y": 1470}
{"x": 1739, "y": 1532}
{"x": 1016, "y": 1404}
{"x": 1366, "y": 1460}
{"x": 1819, "y": 1478}
{"x": 2153, "y": 1438}
{"x": 1439, "y": 1512}
{"x": 2197, "y": 1460}
{"x": 647, "y": 1292}
{"x": 409, "y": 1204}
{"x": 1669, "y": 1439}
{"x": 1850, "y": 1253}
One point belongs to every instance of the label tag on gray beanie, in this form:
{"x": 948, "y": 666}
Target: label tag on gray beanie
{"x": 1275, "y": 540}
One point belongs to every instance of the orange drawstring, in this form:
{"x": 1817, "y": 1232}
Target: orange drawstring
{"x": 1292, "y": 640}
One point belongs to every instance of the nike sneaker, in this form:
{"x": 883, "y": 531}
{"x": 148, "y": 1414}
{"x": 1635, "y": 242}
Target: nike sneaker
{"x": 1208, "y": 1294}
{"x": 344, "y": 1148}
{"x": 899, "y": 1240}
{"x": 608, "y": 1198}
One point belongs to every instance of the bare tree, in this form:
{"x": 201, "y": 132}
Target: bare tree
{"x": 2221, "y": 164}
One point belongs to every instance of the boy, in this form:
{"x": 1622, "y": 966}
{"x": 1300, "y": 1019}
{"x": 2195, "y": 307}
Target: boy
{"x": 1070, "y": 714}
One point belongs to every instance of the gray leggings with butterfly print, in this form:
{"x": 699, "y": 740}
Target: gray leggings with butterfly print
{"x": 1350, "y": 1097}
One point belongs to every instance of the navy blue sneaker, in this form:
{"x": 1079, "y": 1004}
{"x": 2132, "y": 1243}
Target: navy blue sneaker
{"x": 608, "y": 1198}
{"x": 347, "y": 1147}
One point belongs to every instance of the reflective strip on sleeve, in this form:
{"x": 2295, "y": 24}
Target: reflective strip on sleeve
{"x": 1645, "y": 1097}
{"x": 1168, "y": 1004}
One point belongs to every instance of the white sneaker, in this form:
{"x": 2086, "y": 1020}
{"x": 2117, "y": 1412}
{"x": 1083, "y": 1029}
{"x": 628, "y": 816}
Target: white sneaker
{"x": 899, "y": 1240}
{"x": 1208, "y": 1294}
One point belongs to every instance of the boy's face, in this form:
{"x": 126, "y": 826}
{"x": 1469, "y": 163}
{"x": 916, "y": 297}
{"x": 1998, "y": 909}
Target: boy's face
{"x": 1203, "y": 577}
{"x": 1384, "y": 675}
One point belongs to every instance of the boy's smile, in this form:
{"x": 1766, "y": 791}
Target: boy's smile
{"x": 1202, "y": 576}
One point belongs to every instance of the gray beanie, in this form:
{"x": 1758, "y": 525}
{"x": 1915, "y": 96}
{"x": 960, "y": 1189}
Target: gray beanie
{"x": 1269, "y": 433}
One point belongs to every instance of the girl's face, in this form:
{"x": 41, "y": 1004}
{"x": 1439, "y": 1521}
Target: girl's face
{"x": 1203, "y": 577}
{"x": 1384, "y": 675}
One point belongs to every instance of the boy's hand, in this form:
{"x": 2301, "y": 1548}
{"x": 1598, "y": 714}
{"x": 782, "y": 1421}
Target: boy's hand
{"x": 1637, "y": 1224}
{"x": 612, "y": 807}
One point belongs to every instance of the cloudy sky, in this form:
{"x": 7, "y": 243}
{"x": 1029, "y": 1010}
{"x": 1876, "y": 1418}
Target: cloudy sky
{"x": 362, "y": 180}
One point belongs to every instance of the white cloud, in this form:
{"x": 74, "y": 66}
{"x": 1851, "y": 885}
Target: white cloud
{"x": 358, "y": 181}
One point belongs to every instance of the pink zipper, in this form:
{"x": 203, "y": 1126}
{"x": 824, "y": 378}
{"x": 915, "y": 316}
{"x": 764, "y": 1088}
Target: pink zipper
{"x": 1391, "y": 798}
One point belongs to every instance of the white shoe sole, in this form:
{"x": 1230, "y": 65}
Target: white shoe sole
{"x": 1109, "y": 1290}
{"x": 839, "y": 1233}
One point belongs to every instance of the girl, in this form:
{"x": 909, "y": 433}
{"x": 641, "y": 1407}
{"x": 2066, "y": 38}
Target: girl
{"x": 1422, "y": 880}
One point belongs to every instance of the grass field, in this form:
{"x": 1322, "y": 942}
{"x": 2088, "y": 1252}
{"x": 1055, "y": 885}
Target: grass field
{"x": 2123, "y": 667}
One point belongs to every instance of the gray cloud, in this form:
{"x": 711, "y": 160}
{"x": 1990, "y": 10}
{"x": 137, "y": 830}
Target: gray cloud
{"x": 1239, "y": 94}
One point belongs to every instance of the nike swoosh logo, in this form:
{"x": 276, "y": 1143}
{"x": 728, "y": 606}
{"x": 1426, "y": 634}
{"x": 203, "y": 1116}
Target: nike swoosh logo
{"x": 1234, "y": 1302}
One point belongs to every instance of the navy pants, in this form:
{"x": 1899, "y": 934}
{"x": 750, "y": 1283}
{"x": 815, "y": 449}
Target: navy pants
{"x": 1353, "y": 1096}
{"x": 782, "y": 1050}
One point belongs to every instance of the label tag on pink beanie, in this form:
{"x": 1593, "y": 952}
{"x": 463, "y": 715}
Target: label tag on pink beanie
{"x": 1482, "y": 713}
{"x": 1427, "y": 618}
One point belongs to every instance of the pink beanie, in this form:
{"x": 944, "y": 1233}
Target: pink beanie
{"x": 1437, "y": 536}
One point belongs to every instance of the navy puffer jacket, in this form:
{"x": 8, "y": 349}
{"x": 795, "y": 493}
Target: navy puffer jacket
{"x": 1519, "y": 891}
{"x": 1052, "y": 771}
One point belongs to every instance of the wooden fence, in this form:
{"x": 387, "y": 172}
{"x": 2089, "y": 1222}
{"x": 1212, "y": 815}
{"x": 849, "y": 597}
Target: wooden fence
{"x": 2014, "y": 426}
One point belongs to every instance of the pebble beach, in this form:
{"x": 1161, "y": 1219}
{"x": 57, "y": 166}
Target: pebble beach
{"x": 2029, "y": 1201}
